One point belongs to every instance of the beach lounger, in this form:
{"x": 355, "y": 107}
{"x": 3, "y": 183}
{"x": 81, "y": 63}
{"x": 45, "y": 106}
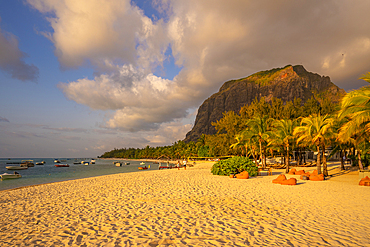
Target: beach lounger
{"x": 269, "y": 171}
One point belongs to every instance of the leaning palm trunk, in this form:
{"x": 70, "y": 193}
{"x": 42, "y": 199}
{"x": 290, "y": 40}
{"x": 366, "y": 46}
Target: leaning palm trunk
{"x": 299, "y": 158}
{"x": 254, "y": 156}
{"x": 341, "y": 160}
{"x": 360, "y": 166}
{"x": 324, "y": 164}
{"x": 318, "y": 161}
{"x": 287, "y": 160}
{"x": 261, "y": 156}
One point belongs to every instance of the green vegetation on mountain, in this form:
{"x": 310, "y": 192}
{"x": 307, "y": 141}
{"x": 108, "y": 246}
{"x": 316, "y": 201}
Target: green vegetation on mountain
{"x": 262, "y": 78}
{"x": 284, "y": 85}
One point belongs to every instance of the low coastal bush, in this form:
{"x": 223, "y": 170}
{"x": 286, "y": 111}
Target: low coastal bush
{"x": 234, "y": 165}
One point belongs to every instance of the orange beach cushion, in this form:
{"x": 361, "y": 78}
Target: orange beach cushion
{"x": 290, "y": 181}
{"x": 243, "y": 175}
{"x": 317, "y": 177}
{"x": 363, "y": 180}
{"x": 292, "y": 171}
{"x": 301, "y": 172}
{"x": 279, "y": 179}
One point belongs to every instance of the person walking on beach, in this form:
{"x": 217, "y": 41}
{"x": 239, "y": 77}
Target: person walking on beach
{"x": 178, "y": 165}
{"x": 185, "y": 162}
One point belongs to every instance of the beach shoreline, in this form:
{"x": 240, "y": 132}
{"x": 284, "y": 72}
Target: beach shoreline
{"x": 189, "y": 207}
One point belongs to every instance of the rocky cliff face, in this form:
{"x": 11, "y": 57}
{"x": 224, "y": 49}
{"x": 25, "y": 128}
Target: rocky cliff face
{"x": 285, "y": 83}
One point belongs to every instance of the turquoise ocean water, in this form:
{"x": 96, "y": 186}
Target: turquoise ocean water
{"x": 48, "y": 173}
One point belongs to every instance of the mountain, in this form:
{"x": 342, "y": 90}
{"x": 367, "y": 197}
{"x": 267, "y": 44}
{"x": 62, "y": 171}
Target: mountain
{"x": 285, "y": 83}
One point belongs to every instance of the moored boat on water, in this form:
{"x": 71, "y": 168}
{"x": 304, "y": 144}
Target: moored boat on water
{"x": 27, "y": 163}
{"x": 56, "y": 161}
{"x": 127, "y": 163}
{"x": 118, "y": 163}
{"x": 40, "y": 163}
{"x": 16, "y": 167}
{"x": 10, "y": 176}
{"x": 144, "y": 167}
{"x": 92, "y": 161}
{"x": 62, "y": 165}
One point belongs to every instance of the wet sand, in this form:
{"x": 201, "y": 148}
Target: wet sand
{"x": 188, "y": 207}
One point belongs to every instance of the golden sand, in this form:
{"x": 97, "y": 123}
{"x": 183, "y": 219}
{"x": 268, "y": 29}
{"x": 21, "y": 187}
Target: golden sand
{"x": 187, "y": 208}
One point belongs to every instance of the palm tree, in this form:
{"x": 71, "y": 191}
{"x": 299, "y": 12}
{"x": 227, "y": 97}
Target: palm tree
{"x": 359, "y": 139}
{"x": 282, "y": 135}
{"x": 240, "y": 142}
{"x": 257, "y": 129}
{"x": 356, "y": 107}
{"x": 337, "y": 144}
{"x": 248, "y": 144}
{"x": 314, "y": 130}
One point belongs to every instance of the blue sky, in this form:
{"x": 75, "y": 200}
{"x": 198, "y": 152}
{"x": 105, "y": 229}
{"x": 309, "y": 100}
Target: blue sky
{"x": 79, "y": 78}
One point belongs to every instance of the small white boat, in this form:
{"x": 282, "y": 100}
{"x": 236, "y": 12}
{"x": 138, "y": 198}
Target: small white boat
{"x": 86, "y": 163}
{"x": 118, "y": 164}
{"x": 16, "y": 167}
{"x": 10, "y": 176}
{"x": 92, "y": 161}
{"x": 142, "y": 163}
{"x": 56, "y": 161}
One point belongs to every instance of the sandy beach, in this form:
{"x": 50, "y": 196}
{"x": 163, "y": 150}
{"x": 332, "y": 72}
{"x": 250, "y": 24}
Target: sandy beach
{"x": 188, "y": 207}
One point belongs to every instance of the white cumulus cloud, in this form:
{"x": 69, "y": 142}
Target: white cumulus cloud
{"x": 212, "y": 40}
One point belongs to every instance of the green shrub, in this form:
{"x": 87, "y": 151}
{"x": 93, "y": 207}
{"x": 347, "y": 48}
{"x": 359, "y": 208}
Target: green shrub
{"x": 234, "y": 165}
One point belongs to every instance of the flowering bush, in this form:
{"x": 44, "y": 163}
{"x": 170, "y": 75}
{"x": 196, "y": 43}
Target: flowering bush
{"x": 234, "y": 165}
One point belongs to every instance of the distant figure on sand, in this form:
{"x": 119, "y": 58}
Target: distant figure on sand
{"x": 178, "y": 165}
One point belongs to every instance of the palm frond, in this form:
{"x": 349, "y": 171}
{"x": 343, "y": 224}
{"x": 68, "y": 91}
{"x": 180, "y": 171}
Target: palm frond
{"x": 366, "y": 77}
